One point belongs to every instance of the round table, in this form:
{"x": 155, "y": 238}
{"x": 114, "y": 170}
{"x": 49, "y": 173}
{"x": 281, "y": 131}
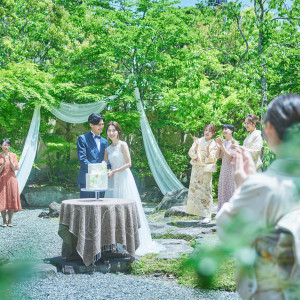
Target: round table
{"x": 90, "y": 226}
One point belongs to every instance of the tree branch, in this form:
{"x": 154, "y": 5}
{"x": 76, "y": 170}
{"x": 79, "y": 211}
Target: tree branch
{"x": 285, "y": 18}
{"x": 243, "y": 36}
{"x": 21, "y": 30}
{"x": 290, "y": 45}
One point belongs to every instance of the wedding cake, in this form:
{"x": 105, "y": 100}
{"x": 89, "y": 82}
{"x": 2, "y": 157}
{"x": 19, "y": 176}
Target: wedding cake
{"x": 96, "y": 178}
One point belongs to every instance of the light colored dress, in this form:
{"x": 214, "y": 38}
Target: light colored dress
{"x": 200, "y": 200}
{"x": 227, "y": 184}
{"x": 263, "y": 203}
{"x": 9, "y": 189}
{"x": 254, "y": 144}
{"x": 122, "y": 185}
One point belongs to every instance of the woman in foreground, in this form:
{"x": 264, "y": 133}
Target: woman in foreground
{"x": 268, "y": 205}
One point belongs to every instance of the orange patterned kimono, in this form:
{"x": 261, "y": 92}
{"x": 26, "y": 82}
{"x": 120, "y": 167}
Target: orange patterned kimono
{"x": 9, "y": 190}
{"x": 200, "y": 200}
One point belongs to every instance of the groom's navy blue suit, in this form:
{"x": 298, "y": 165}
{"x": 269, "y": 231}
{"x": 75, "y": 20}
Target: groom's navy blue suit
{"x": 87, "y": 152}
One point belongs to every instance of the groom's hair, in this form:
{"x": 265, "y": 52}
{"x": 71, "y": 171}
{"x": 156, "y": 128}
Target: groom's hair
{"x": 95, "y": 118}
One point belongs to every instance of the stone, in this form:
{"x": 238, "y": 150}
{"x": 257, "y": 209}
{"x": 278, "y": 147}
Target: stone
{"x": 54, "y": 209}
{"x": 192, "y": 231}
{"x": 173, "y": 198}
{"x": 212, "y": 223}
{"x": 177, "y": 211}
{"x": 160, "y": 228}
{"x": 148, "y": 210}
{"x": 44, "y": 196}
{"x": 174, "y": 248}
{"x": 210, "y": 239}
{"x": 167, "y": 220}
{"x": 23, "y": 201}
{"x": 108, "y": 265}
{"x": 154, "y": 195}
{"x": 43, "y": 270}
{"x": 43, "y": 214}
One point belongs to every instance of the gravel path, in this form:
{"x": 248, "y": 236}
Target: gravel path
{"x": 35, "y": 239}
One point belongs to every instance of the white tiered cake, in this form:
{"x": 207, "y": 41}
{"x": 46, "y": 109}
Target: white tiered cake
{"x": 96, "y": 178}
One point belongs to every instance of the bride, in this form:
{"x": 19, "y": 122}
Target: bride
{"x": 122, "y": 184}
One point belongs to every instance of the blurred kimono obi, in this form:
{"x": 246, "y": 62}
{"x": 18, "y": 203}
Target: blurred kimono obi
{"x": 200, "y": 200}
{"x": 268, "y": 209}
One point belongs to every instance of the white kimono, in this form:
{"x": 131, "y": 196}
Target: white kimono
{"x": 254, "y": 144}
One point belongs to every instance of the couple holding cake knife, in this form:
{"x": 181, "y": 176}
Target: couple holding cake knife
{"x": 91, "y": 149}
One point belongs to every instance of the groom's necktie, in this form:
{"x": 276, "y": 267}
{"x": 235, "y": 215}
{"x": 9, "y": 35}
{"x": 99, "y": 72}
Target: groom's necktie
{"x": 97, "y": 140}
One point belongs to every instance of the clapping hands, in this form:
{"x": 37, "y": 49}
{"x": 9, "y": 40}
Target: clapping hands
{"x": 219, "y": 142}
{"x": 243, "y": 165}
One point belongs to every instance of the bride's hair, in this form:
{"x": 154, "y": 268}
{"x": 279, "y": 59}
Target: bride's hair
{"x": 116, "y": 125}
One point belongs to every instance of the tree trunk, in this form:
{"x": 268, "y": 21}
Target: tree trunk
{"x": 263, "y": 80}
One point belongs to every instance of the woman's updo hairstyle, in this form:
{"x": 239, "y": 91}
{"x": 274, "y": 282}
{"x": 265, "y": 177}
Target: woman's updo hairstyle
{"x": 253, "y": 118}
{"x": 212, "y": 128}
{"x": 116, "y": 125}
{"x": 283, "y": 112}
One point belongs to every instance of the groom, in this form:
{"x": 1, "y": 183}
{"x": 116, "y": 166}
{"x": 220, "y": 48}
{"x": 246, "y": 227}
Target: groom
{"x": 90, "y": 149}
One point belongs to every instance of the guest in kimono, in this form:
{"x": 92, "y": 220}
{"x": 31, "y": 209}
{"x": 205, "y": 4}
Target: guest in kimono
{"x": 269, "y": 205}
{"x": 227, "y": 184}
{"x": 203, "y": 155}
{"x": 253, "y": 142}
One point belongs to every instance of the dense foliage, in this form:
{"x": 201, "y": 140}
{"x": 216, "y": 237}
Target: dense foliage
{"x": 193, "y": 66}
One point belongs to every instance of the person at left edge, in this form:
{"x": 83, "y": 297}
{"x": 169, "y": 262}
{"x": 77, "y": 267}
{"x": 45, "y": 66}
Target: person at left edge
{"x": 90, "y": 149}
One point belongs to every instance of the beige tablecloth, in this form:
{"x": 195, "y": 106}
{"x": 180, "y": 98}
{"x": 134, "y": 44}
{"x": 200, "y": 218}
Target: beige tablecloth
{"x": 97, "y": 226}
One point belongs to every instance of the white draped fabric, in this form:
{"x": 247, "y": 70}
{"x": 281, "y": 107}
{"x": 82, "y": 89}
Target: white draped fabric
{"x": 79, "y": 113}
{"x": 29, "y": 150}
{"x": 163, "y": 175}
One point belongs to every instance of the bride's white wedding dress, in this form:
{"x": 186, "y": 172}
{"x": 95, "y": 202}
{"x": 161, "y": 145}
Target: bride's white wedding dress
{"x": 122, "y": 185}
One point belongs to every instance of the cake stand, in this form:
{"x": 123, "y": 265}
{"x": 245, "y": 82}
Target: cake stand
{"x": 97, "y": 192}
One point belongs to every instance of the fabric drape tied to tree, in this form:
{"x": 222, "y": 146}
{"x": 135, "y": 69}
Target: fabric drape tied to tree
{"x": 29, "y": 150}
{"x": 79, "y": 113}
{"x": 163, "y": 175}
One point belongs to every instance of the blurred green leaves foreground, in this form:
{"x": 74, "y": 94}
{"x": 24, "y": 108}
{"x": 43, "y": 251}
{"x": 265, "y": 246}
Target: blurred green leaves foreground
{"x": 13, "y": 272}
